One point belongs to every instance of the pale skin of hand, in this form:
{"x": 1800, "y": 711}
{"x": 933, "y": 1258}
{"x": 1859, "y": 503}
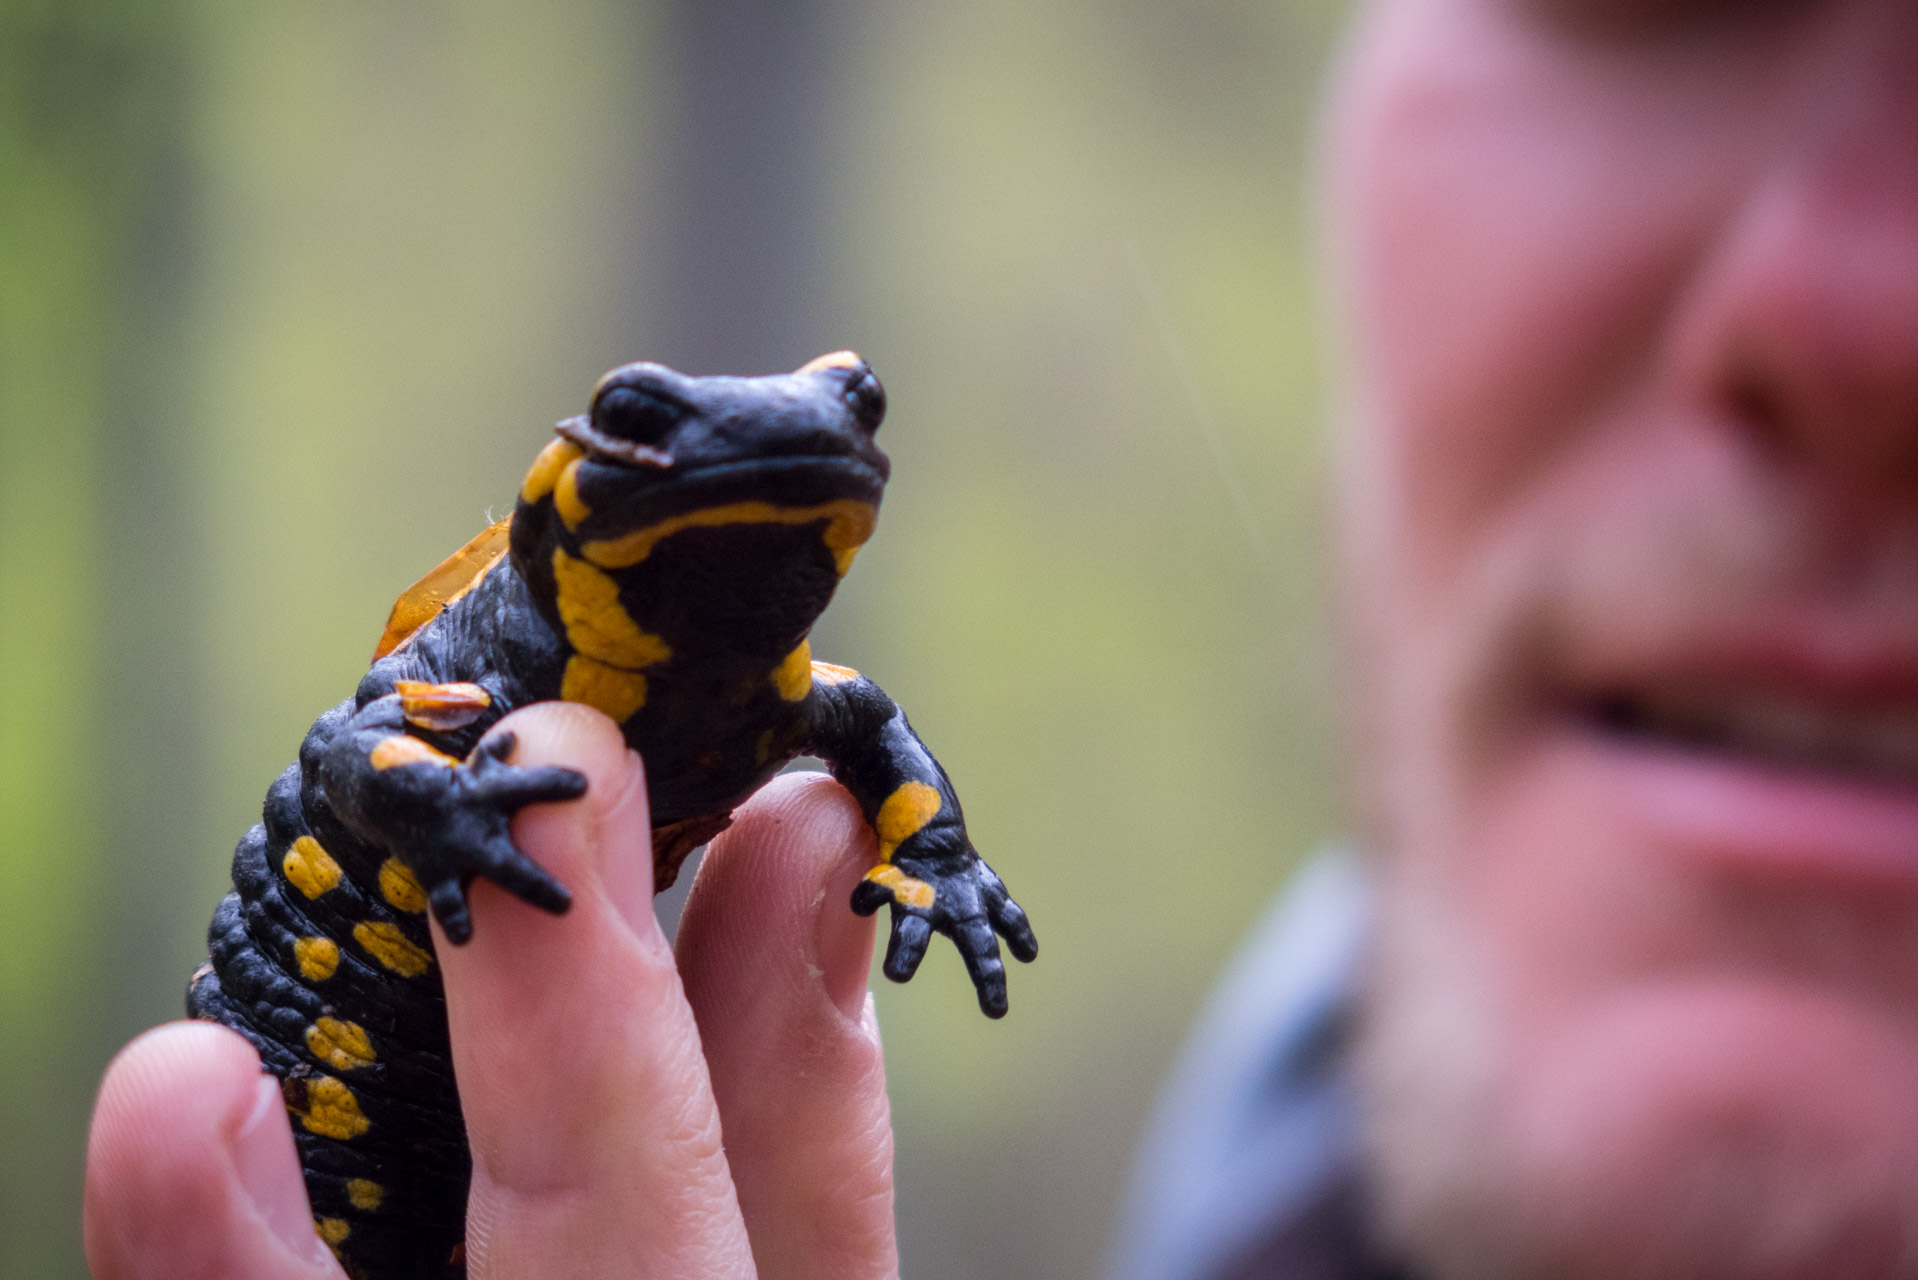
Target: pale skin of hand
{"x": 722, "y": 1115}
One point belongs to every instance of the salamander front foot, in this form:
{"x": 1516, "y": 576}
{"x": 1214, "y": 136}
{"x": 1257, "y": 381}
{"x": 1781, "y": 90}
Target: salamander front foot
{"x": 958, "y": 895}
{"x": 469, "y": 835}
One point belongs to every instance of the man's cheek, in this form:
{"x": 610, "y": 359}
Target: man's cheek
{"x": 1505, "y": 287}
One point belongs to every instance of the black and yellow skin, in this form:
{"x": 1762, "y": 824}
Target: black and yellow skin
{"x": 668, "y": 555}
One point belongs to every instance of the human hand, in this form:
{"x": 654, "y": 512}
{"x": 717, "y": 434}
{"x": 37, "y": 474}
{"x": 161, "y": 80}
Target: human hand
{"x": 596, "y": 1076}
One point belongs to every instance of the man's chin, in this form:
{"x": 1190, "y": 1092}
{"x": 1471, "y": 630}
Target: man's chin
{"x": 1698, "y": 1128}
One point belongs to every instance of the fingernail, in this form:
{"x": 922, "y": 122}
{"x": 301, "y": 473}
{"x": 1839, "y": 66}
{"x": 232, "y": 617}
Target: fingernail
{"x": 268, "y": 1168}
{"x": 627, "y": 871}
{"x": 845, "y": 951}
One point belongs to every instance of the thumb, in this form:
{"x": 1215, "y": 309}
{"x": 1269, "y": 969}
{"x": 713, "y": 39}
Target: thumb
{"x": 191, "y": 1171}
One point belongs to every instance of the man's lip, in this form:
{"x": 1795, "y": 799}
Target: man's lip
{"x": 1793, "y": 650}
{"x": 1868, "y": 738}
{"x": 1737, "y": 814}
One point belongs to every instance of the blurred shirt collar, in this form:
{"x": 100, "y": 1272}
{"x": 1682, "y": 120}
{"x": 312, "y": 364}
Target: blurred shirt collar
{"x": 1250, "y": 1166}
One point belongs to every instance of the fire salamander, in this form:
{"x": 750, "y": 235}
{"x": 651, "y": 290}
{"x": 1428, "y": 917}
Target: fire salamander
{"x": 668, "y": 555}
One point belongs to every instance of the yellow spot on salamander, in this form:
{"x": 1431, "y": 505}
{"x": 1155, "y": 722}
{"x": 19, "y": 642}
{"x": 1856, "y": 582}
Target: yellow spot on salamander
{"x": 318, "y": 958}
{"x": 902, "y": 816}
{"x": 566, "y": 500}
{"x": 614, "y": 690}
{"x": 442, "y": 707}
{"x": 452, "y": 578}
{"x": 558, "y": 454}
{"x": 597, "y": 624}
{"x": 334, "y": 1231}
{"x": 310, "y": 868}
{"x": 364, "y": 1194}
{"x": 793, "y": 677}
{"x": 332, "y": 1111}
{"x": 402, "y": 749}
{"x": 831, "y": 360}
{"x": 828, "y": 673}
{"x": 343, "y": 1046}
{"x": 906, "y": 891}
{"x": 399, "y": 887}
{"x": 848, "y": 524}
{"x": 385, "y": 943}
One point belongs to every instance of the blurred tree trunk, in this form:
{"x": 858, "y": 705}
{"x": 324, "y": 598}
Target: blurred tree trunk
{"x": 89, "y": 96}
{"x": 740, "y": 277}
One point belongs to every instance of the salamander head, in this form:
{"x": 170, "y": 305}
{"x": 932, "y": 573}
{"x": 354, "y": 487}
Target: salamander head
{"x": 669, "y": 426}
{"x": 725, "y": 510}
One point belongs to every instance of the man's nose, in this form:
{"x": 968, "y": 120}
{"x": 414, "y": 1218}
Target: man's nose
{"x": 1804, "y": 325}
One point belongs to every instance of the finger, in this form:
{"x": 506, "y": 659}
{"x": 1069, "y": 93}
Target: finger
{"x": 517, "y": 787}
{"x": 776, "y": 968}
{"x": 520, "y": 876}
{"x": 595, "y": 1138}
{"x": 448, "y": 901}
{"x": 1009, "y": 918}
{"x": 980, "y": 950}
{"x": 868, "y": 896}
{"x": 190, "y": 1167}
{"x": 907, "y": 946}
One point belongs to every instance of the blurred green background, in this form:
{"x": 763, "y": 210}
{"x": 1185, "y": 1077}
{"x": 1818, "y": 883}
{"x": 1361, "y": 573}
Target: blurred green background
{"x": 290, "y": 295}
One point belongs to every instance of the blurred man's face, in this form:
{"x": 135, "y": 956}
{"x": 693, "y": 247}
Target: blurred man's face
{"x": 1633, "y": 505}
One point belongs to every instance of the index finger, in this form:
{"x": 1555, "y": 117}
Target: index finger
{"x": 595, "y": 1137}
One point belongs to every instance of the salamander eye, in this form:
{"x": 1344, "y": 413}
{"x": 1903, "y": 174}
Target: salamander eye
{"x": 632, "y": 414}
{"x": 867, "y": 400}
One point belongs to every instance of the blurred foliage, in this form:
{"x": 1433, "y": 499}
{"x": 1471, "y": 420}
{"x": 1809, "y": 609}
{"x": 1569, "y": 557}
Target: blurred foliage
{"x": 88, "y": 94}
{"x": 1128, "y": 683}
{"x": 291, "y": 294}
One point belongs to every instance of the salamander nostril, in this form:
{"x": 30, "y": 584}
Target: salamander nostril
{"x": 631, "y": 414}
{"x": 868, "y": 400}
